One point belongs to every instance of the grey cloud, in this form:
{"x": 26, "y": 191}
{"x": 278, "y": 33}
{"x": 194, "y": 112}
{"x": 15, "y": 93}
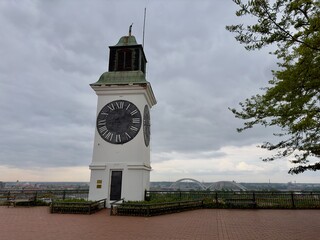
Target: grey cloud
{"x": 53, "y": 50}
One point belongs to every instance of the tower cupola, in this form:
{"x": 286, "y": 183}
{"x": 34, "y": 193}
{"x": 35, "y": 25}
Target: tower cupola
{"x": 127, "y": 55}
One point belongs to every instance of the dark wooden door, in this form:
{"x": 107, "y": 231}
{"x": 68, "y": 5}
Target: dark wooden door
{"x": 116, "y": 182}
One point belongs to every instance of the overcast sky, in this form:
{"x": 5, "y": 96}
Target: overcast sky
{"x": 50, "y": 51}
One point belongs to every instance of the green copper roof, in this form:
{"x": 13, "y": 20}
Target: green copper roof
{"x": 127, "y": 41}
{"x": 121, "y": 77}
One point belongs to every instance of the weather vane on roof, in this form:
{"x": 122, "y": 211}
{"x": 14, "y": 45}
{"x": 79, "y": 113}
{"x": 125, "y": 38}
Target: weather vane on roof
{"x": 130, "y": 29}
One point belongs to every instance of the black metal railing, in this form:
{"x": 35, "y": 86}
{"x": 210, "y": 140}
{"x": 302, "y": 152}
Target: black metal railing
{"x": 214, "y": 199}
{"x": 43, "y": 195}
{"x": 241, "y": 199}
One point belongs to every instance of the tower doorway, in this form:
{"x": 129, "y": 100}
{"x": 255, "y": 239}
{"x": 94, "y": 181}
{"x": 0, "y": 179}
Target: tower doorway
{"x": 116, "y": 183}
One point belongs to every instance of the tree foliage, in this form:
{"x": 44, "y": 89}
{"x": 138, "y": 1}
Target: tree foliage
{"x": 292, "y": 99}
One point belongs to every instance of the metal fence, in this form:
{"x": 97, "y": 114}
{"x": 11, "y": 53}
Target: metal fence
{"x": 44, "y": 195}
{"x": 214, "y": 199}
{"x": 242, "y": 199}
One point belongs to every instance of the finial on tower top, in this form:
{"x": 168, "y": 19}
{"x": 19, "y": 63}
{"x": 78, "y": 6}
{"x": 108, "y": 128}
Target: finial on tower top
{"x": 127, "y": 40}
{"x": 130, "y": 28}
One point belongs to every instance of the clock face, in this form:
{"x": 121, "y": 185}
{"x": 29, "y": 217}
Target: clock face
{"x": 146, "y": 125}
{"x": 119, "y": 122}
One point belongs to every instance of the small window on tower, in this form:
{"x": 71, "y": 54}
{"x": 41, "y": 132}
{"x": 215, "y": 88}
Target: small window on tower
{"x": 112, "y": 60}
{"x": 99, "y": 183}
{"x": 124, "y": 61}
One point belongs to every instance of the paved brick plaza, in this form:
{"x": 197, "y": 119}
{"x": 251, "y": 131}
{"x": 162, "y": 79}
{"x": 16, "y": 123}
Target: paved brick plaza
{"x": 23, "y": 223}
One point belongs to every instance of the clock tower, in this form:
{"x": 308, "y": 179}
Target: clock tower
{"x": 120, "y": 165}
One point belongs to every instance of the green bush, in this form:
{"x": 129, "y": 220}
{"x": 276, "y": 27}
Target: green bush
{"x": 75, "y": 200}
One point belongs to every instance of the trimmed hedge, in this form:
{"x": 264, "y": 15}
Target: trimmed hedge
{"x": 153, "y": 209}
{"x": 77, "y": 206}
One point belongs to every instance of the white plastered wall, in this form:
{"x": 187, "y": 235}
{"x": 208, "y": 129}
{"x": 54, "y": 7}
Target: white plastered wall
{"x": 132, "y": 158}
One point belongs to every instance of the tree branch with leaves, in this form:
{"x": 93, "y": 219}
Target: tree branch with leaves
{"x": 292, "y": 99}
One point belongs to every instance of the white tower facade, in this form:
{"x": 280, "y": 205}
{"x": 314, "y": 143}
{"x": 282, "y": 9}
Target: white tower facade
{"x": 120, "y": 167}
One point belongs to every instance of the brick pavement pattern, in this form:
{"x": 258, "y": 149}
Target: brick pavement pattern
{"x": 36, "y": 223}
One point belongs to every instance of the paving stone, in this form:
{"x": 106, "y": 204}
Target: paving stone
{"x": 22, "y": 223}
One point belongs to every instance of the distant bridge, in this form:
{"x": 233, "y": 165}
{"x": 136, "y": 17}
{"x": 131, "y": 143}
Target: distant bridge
{"x": 221, "y": 185}
{"x": 173, "y": 185}
{"x": 226, "y": 185}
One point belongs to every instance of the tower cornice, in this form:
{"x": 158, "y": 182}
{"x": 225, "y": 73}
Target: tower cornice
{"x": 126, "y": 89}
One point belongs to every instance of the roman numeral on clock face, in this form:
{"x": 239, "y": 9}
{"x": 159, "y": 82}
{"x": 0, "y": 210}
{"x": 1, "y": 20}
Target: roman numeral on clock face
{"x": 109, "y": 136}
{"x": 134, "y": 112}
{"x": 127, "y": 135}
{"x": 103, "y": 130}
{"x": 136, "y": 120}
{"x": 133, "y": 128}
{"x": 102, "y": 122}
{"x": 119, "y": 105}
{"x": 111, "y": 107}
{"x": 118, "y": 138}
